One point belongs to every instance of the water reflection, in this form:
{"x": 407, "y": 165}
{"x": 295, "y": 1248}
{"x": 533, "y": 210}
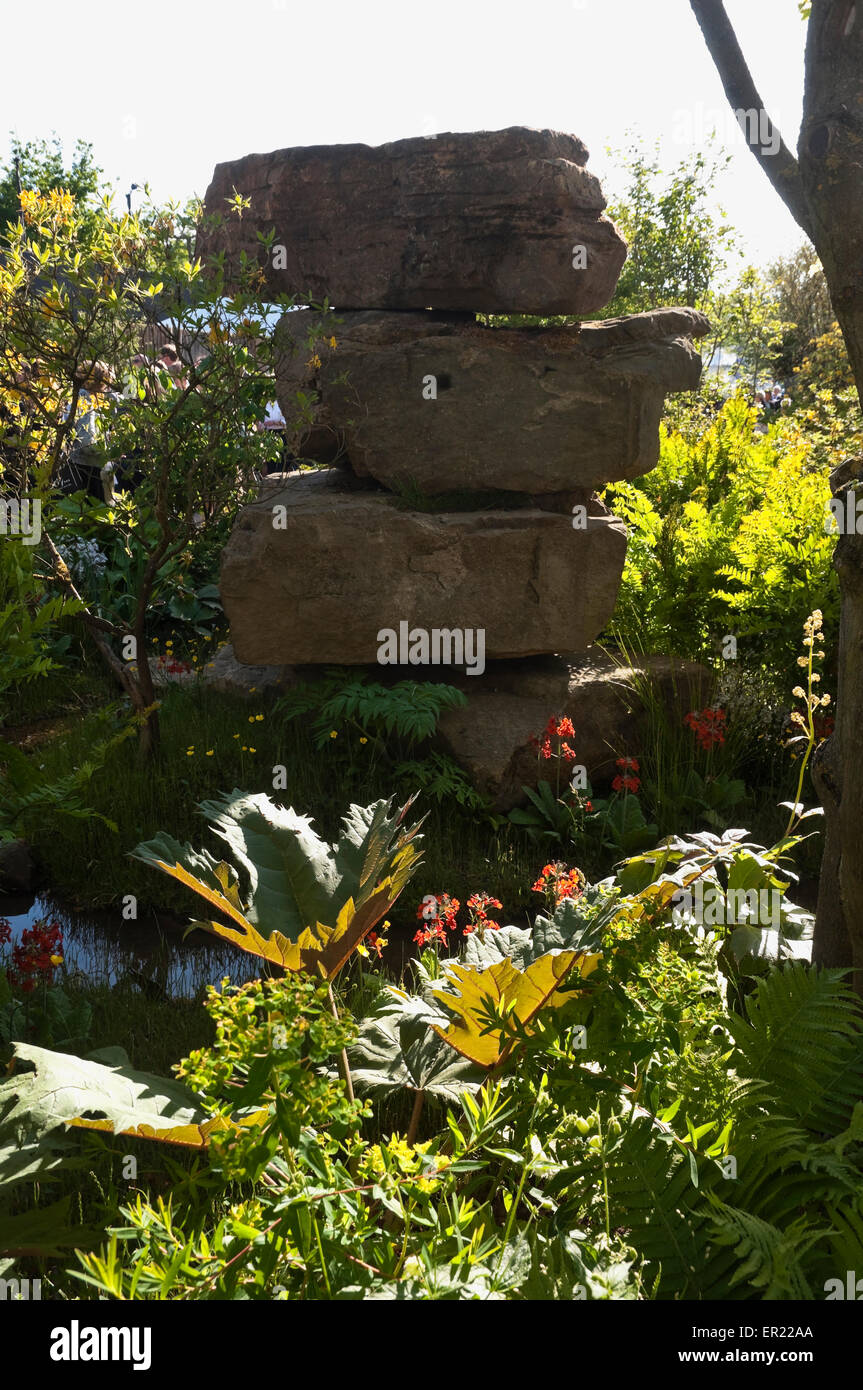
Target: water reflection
{"x": 151, "y": 954}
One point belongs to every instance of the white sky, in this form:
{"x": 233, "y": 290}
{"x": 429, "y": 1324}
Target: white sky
{"x": 164, "y": 91}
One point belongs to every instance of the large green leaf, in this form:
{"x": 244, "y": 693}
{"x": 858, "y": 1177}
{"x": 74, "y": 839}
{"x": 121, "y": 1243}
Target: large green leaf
{"x": 489, "y": 947}
{"x": 576, "y": 924}
{"x": 307, "y": 904}
{"x": 54, "y": 1091}
{"x": 398, "y": 1049}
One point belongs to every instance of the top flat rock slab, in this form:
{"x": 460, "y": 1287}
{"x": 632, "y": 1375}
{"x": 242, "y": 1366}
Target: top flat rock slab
{"x": 505, "y": 221}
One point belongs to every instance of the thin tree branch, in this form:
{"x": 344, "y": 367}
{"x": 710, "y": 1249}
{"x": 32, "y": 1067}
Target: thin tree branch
{"x": 762, "y": 136}
{"x": 97, "y": 627}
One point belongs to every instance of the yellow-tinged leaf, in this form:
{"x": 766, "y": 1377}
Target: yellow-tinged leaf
{"x": 321, "y": 949}
{"x": 303, "y": 882}
{"x": 229, "y": 905}
{"x": 188, "y": 1136}
{"x": 522, "y": 992}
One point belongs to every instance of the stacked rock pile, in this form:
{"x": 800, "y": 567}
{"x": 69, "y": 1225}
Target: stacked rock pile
{"x": 465, "y": 457}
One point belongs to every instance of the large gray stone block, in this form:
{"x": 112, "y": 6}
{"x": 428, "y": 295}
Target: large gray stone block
{"x": 439, "y": 403}
{"x": 344, "y": 563}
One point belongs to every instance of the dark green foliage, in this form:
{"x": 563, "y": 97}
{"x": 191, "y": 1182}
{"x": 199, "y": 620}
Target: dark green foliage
{"x": 406, "y": 712}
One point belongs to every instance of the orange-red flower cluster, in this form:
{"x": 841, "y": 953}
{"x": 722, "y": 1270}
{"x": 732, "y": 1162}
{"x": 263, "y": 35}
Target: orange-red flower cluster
{"x": 478, "y": 905}
{"x": 439, "y": 915}
{"x": 438, "y": 921}
{"x": 626, "y": 781}
{"x": 36, "y": 955}
{"x": 708, "y": 726}
{"x": 558, "y": 882}
{"x": 559, "y": 728}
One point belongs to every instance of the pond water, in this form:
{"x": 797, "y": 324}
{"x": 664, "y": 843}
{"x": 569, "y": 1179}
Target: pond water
{"x": 155, "y": 956}
{"x": 152, "y": 953}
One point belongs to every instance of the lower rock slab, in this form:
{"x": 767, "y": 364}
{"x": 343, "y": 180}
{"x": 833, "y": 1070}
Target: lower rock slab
{"x": 490, "y": 736}
{"x": 317, "y": 570}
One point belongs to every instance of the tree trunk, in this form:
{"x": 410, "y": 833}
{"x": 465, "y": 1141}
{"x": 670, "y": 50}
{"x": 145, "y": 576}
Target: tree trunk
{"x": 823, "y": 189}
{"x": 830, "y": 154}
{"x": 149, "y": 736}
{"x": 836, "y": 774}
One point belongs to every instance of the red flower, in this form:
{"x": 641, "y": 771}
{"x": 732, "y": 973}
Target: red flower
{"x": 173, "y": 666}
{"x": 433, "y": 932}
{"x": 37, "y": 953}
{"x": 625, "y": 784}
{"x": 558, "y": 882}
{"x": 5, "y": 930}
{"x": 558, "y": 728}
{"x": 374, "y": 943}
{"x": 627, "y": 764}
{"x": 708, "y": 726}
{"x": 478, "y": 905}
{"x": 439, "y": 912}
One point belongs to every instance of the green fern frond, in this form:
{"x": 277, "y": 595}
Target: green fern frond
{"x": 804, "y": 1038}
{"x": 768, "y": 1259}
{"x": 408, "y": 710}
{"x": 440, "y": 778}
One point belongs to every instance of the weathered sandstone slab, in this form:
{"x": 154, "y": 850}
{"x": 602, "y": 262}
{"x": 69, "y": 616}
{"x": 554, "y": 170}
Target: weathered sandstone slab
{"x": 490, "y": 736}
{"x": 438, "y": 403}
{"x": 344, "y": 563}
{"x": 505, "y": 221}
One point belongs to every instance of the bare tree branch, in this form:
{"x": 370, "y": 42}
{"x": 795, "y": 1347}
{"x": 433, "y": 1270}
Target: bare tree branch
{"x": 762, "y": 136}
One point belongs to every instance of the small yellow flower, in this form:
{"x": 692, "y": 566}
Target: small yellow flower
{"x": 209, "y": 752}
{"x": 56, "y": 960}
{"x": 235, "y": 735}
{"x": 333, "y": 733}
{"x": 189, "y": 752}
{"x": 251, "y": 719}
{"x": 252, "y": 750}
{"x": 252, "y": 688}
{"x": 259, "y": 717}
{"x": 363, "y": 740}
